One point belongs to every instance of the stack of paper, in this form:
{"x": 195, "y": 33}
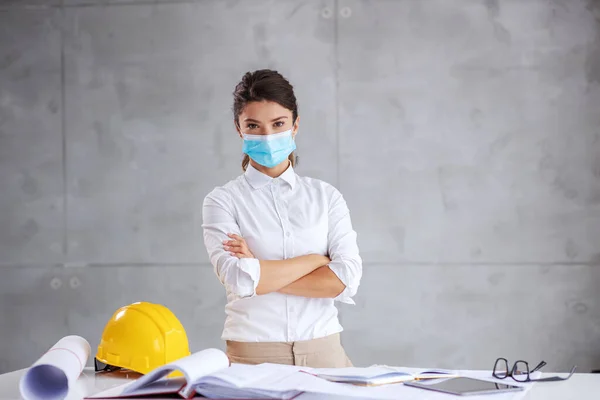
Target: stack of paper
{"x": 250, "y": 382}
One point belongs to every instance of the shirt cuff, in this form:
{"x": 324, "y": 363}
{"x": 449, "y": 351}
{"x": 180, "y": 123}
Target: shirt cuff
{"x": 248, "y": 281}
{"x": 344, "y": 297}
{"x": 340, "y": 270}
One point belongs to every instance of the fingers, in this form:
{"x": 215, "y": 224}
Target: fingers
{"x": 236, "y": 249}
{"x": 234, "y": 244}
{"x": 237, "y": 240}
{"x": 236, "y": 237}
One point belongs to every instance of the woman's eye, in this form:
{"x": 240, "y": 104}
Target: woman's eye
{"x": 279, "y": 124}
{"x": 252, "y": 126}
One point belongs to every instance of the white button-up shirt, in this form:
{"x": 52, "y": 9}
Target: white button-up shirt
{"x": 279, "y": 218}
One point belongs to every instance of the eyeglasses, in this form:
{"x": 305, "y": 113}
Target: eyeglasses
{"x": 520, "y": 371}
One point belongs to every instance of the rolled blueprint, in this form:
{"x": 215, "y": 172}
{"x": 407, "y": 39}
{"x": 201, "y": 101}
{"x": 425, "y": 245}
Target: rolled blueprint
{"x": 55, "y": 372}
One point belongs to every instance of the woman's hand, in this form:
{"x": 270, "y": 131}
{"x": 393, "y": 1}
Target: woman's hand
{"x": 237, "y": 246}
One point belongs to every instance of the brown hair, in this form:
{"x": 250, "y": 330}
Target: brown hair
{"x": 262, "y": 85}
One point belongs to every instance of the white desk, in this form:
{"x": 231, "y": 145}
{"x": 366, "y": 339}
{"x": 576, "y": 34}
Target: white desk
{"x": 580, "y": 386}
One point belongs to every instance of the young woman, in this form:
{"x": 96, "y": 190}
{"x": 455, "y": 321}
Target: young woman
{"x": 281, "y": 244}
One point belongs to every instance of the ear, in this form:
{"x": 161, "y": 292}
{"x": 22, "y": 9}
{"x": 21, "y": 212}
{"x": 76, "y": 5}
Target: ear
{"x": 238, "y": 129}
{"x": 295, "y": 127}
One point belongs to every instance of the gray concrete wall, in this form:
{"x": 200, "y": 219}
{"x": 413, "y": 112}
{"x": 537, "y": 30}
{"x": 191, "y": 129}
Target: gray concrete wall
{"x": 464, "y": 134}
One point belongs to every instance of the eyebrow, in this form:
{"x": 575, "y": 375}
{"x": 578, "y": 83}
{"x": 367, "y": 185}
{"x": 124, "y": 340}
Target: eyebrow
{"x": 273, "y": 120}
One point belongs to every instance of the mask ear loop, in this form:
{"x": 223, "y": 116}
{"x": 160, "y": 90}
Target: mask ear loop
{"x": 239, "y": 129}
{"x": 294, "y": 133}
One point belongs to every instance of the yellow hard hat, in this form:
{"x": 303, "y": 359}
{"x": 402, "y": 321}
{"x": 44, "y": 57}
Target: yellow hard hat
{"x": 141, "y": 337}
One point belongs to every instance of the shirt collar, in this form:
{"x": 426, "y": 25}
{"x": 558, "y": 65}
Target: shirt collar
{"x": 257, "y": 179}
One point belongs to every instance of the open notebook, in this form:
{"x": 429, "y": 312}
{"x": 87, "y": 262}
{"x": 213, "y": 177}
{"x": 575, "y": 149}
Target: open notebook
{"x": 209, "y": 374}
{"x": 377, "y": 375}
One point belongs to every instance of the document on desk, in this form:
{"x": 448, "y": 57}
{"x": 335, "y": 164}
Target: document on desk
{"x": 378, "y": 374}
{"x": 281, "y": 382}
{"x": 401, "y": 391}
{"x": 315, "y": 388}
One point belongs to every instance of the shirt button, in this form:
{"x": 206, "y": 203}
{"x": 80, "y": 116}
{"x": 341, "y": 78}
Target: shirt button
{"x": 288, "y": 234}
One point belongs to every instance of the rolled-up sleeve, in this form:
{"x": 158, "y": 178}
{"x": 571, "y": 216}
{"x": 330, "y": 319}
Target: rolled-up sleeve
{"x": 239, "y": 276}
{"x": 342, "y": 247}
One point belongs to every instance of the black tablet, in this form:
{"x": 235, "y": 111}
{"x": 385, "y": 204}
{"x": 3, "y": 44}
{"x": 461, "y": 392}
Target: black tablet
{"x": 464, "y": 386}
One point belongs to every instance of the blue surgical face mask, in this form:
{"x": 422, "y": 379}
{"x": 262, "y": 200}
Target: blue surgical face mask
{"x": 269, "y": 150}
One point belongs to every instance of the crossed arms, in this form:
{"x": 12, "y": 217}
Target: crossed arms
{"x": 337, "y": 276}
{"x": 307, "y": 276}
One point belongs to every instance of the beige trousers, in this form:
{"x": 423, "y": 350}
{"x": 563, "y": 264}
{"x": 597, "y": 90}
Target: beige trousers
{"x": 326, "y": 352}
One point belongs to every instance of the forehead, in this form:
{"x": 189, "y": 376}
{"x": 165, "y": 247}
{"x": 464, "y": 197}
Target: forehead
{"x": 264, "y": 110}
